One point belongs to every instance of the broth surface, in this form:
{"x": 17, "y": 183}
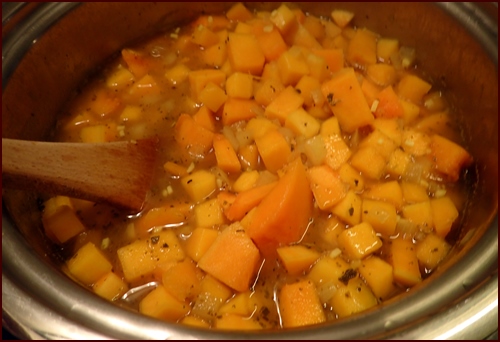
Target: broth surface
{"x": 307, "y": 172}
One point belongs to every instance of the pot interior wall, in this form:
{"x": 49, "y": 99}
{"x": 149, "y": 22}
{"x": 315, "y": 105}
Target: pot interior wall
{"x": 73, "y": 49}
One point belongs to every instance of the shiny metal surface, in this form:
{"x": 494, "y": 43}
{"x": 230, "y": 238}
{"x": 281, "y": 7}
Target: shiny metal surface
{"x": 459, "y": 301}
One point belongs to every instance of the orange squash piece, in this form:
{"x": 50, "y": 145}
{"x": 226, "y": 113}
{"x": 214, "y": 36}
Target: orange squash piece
{"x": 233, "y": 258}
{"x": 283, "y": 215}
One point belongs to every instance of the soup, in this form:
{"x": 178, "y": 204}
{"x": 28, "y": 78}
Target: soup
{"x": 307, "y": 172}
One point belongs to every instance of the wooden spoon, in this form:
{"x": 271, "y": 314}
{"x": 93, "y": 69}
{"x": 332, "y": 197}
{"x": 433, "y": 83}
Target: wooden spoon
{"x": 118, "y": 173}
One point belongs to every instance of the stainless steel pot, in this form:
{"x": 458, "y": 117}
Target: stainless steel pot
{"x": 49, "y": 48}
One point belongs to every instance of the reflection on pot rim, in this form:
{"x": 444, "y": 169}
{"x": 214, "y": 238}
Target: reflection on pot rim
{"x": 69, "y": 305}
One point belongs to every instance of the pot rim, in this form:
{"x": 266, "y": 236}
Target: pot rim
{"x": 30, "y": 300}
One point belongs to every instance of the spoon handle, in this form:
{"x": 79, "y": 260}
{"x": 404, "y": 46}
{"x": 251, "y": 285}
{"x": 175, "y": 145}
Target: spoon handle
{"x": 119, "y": 173}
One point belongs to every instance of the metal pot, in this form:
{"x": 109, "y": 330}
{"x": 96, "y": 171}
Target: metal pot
{"x": 48, "y": 49}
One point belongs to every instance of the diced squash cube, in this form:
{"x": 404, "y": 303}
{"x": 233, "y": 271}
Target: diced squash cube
{"x": 130, "y": 113}
{"x": 110, "y": 286}
{"x": 240, "y": 304}
{"x": 337, "y": 151}
{"x": 267, "y": 91}
{"x": 246, "y": 181}
{"x": 145, "y": 87}
{"x": 330, "y": 127}
{"x": 272, "y": 44}
{"x": 284, "y": 19}
{"x": 362, "y": 49}
{"x": 235, "y": 110}
{"x": 444, "y": 214}
{"x": 205, "y": 118}
{"x": 198, "y": 79}
{"x": 59, "y": 219}
{"x": 194, "y": 321}
{"x": 378, "y": 275}
{"x": 96, "y": 134}
{"x": 273, "y": 149}
{"x": 212, "y": 96}
{"x": 349, "y": 208}
{"x": 387, "y": 47}
{"x": 160, "y": 304}
{"x": 413, "y": 88}
{"x": 413, "y": 193}
{"x": 410, "y": 111}
{"x": 89, "y": 264}
{"x": 353, "y": 298}
{"x": 359, "y": 241}
{"x": 172, "y": 213}
{"x": 286, "y": 102}
{"x": 383, "y": 75}
{"x": 391, "y": 128}
{"x": 177, "y": 74}
{"x": 226, "y": 156}
{"x": 236, "y": 322}
{"x": 310, "y": 89}
{"x": 199, "y": 185}
{"x": 136, "y": 62}
{"x": 380, "y": 142}
{"x": 326, "y": 185}
{"x": 238, "y": 12}
{"x": 342, "y": 17}
{"x": 303, "y": 38}
{"x": 297, "y": 258}
{"x": 245, "y": 54}
{"x": 389, "y": 105}
{"x": 389, "y": 192}
{"x": 404, "y": 262}
{"x": 258, "y": 127}
{"x": 209, "y": 213}
{"x": 380, "y": 215}
{"x": 216, "y": 55}
{"x": 420, "y": 214}
{"x": 183, "y": 280}
{"x": 302, "y": 124}
{"x": 120, "y": 78}
{"x": 449, "y": 156}
{"x": 238, "y": 271}
{"x": 369, "y": 161}
{"x": 212, "y": 296}
{"x": 292, "y": 66}
{"x": 239, "y": 85}
{"x": 328, "y": 271}
{"x": 331, "y": 230}
{"x": 334, "y": 58}
{"x": 318, "y": 70}
{"x": 346, "y": 100}
{"x": 398, "y": 162}
{"x": 198, "y": 243}
{"x": 415, "y": 143}
{"x": 431, "y": 251}
{"x": 204, "y": 37}
{"x": 192, "y": 136}
{"x": 249, "y": 157}
{"x": 141, "y": 257}
{"x": 299, "y": 305}
{"x": 351, "y": 177}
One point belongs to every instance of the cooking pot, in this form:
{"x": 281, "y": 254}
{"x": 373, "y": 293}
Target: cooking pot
{"x": 48, "y": 50}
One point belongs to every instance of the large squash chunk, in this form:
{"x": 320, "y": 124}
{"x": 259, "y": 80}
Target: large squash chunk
{"x": 238, "y": 270}
{"x": 283, "y": 215}
{"x": 346, "y": 100}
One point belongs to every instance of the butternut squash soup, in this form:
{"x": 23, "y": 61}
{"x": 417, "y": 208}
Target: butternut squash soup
{"x": 307, "y": 171}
